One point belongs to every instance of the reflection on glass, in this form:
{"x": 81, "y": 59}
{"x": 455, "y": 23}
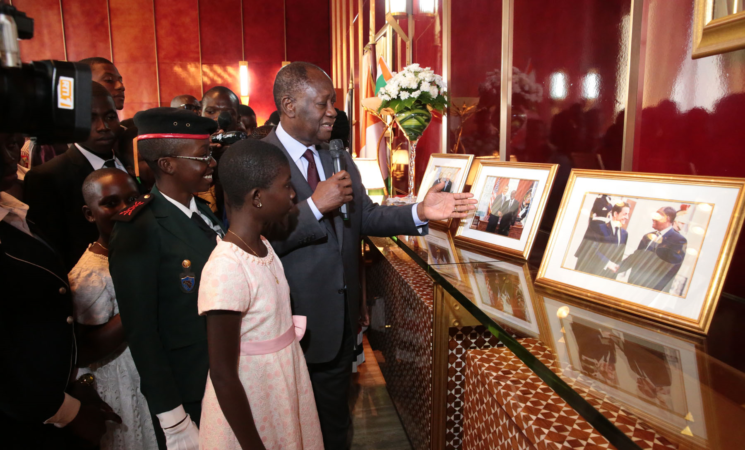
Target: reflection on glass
{"x": 558, "y": 85}
{"x": 653, "y": 375}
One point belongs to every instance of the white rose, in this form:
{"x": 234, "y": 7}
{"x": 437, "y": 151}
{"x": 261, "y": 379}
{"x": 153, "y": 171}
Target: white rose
{"x": 404, "y": 95}
{"x": 416, "y": 94}
{"x": 384, "y": 97}
{"x": 433, "y": 92}
{"x": 425, "y": 86}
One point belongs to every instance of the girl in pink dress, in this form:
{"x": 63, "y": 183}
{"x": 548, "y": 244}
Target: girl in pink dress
{"x": 258, "y": 392}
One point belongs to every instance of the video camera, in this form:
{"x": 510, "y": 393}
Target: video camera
{"x": 49, "y": 100}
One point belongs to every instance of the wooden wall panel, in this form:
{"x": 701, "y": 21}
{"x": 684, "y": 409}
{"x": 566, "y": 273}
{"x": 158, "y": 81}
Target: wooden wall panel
{"x": 83, "y": 40}
{"x": 133, "y": 38}
{"x": 309, "y": 32}
{"x": 177, "y": 31}
{"x": 263, "y": 31}
{"x": 220, "y": 25}
{"x": 48, "y": 37}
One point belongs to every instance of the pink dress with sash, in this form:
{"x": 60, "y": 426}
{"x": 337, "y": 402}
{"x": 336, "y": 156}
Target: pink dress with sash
{"x": 272, "y": 366}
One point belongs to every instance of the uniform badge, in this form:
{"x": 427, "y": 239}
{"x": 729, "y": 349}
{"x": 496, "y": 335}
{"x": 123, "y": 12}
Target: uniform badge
{"x": 129, "y": 213}
{"x": 187, "y": 279}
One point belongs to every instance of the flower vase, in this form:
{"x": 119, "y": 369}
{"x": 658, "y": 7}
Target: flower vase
{"x": 413, "y": 122}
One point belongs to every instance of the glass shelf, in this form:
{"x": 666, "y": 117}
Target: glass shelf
{"x": 689, "y": 389}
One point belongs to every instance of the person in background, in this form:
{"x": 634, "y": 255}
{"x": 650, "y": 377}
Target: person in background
{"x": 102, "y": 350}
{"x": 248, "y": 118}
{"x": 13, "y": 173}
{"x": 106, "y": 74}
{"x": 251, "y": 307}
{"x": 261, "y": 132}
{"x": 156, "y": 254}
{"x": 321, "y": 252}
{"x": 187, "y": 102}
{"x": 39, "y": 408}
{"x": 341, "y": 128}
{"x": 273, "y": 119}
{"x": 54, "y": 192}
{"x": 219, "y": 99}
{"x": 124, "y": 151}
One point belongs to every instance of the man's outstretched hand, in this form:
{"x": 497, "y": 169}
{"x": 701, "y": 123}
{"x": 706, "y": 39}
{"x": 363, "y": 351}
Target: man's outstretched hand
{"x": 438, "y": 205}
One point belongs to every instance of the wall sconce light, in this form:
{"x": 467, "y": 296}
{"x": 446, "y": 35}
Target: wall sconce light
{"x": 243, "y": 75}
{"x": 558, "y": 86}
{"x": 428, "y": 7}
{"x": 397, "y": 7}
{"x": 591, "y": 86}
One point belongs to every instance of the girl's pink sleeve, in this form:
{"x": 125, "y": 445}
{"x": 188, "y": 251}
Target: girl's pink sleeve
{"x": 224, "y": 286}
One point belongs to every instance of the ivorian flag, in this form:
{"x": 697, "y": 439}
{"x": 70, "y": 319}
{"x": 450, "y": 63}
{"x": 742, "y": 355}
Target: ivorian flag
{"x": 373, "y": 127}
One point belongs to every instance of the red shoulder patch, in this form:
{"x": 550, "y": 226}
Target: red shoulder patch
{"x": 129, "y": 213}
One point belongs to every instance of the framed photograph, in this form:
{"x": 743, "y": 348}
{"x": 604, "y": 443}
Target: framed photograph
{"x": 652, "y": 374}
{"x": 654, "y": 245}
{"x": 448, "y": 168}
{"x": 438, "y": 250}
{"x": 511, "y": 199}
{"x": 504, "y": 291}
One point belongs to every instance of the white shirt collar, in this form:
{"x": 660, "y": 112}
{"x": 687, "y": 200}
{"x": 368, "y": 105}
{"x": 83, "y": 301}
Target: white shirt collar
{"x": 14, "y": 212}
{"x": 188, "y": 211}
{"x": 96, "y": 161}
{"x": 295, "y": 148}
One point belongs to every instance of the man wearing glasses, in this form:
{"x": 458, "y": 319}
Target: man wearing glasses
{"x": 157, "y": 251}
{"x": 187, "y": 102}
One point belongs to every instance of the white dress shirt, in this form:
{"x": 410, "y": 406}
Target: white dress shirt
{"x": 193, "y": 209}
{"x": 296, "y": 150}
{"x": 97, "y": 162}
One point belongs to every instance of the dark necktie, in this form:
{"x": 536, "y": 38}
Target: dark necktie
{"x": 206, "y": 229}
{"x": 109, "y": 164}
{"x": 313, "y": 178}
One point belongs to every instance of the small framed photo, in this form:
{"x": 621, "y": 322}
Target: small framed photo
{"x": 511, "y": 199}
{"x": 438, "y": 250}
{"x": 504, "y": 291}
{"x": 656, "y": 375}
{"x": 653, "y": 245}
{"x": 445, "y": 168}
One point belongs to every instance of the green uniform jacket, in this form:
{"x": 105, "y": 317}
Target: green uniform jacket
{"x": 166, "y": 334}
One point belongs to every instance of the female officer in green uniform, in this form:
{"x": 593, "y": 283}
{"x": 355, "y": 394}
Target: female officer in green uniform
{"x": 157, "y": 251}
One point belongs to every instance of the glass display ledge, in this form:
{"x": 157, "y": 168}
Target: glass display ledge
{"x": 689, "y": 389}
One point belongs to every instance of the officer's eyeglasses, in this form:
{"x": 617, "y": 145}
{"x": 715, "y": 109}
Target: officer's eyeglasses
{"x": 204, "y": 159}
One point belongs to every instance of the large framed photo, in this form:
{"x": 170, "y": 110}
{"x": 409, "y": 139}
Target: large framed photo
{"x": 445, "y": 168}
{"x": 656, "y": 375}
{"x": 504, "y": 291}
{"x": 654, "y": 245}
{"x": 511, "y": 199}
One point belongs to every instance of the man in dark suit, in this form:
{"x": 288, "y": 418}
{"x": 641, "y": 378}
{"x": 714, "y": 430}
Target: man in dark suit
{"x": 37, "y": 347}
{"x": 509, "y": 215}
{"x": 660, "y": 254}
{"x": 321, "y": 252}
{"x": 54, "y": 192}
{"x": 156, "y": 254}
{"x": 495, "y": 210}
{"x": 602, "y": 248}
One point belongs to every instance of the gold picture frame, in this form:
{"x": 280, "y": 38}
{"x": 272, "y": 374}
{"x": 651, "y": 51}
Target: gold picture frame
{"x": 460, "y": 163}
{"x": 712, "y": 36}
{"x": 485, "y": 241}
{"x": 705, "y": 265}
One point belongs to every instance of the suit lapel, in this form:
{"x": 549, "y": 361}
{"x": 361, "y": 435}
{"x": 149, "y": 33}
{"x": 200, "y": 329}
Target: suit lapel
{"x": 328, "y": 169}
{"x": 176, "y": 222}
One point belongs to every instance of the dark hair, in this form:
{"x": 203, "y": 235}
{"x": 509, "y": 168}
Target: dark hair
{"x": 670, "y": 213}
{"x": 89, "y": 184}
{"x": 220, "y": 90}
{"x": 124, "y": 149}
{"x": 95, "y": 60}
{"x": 261, "y": 132}
{"x": 245, "y": 110}
{"x": 290, "y": 79}
{"x": 273, "y": 119}
{"x": 618, "y": 207}
{"x": 247, "y": 165}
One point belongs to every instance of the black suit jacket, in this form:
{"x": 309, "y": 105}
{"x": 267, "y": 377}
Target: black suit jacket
{"x": 54, "y": 194}
{"x": 655, "y": 264}
{"x": 321, "y": 258}
{"x": 599, "y": 246}
{"x": 37, "y": 348}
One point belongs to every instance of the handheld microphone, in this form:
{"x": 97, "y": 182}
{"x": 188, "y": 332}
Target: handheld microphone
{"x": 336, "y": 147}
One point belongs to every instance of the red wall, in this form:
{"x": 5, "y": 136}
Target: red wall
{"x": 156, "y": 44}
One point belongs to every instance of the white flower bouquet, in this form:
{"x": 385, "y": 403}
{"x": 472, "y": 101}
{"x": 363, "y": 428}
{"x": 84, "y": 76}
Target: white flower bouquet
{"x": 412, "y": 94}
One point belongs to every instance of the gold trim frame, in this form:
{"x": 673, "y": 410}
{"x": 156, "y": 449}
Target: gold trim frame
{"x": 456, "y": 189}
{"x": 714, "y": 290}
{"x": 480, "y": 246}
{"x": 714, "y": 36}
